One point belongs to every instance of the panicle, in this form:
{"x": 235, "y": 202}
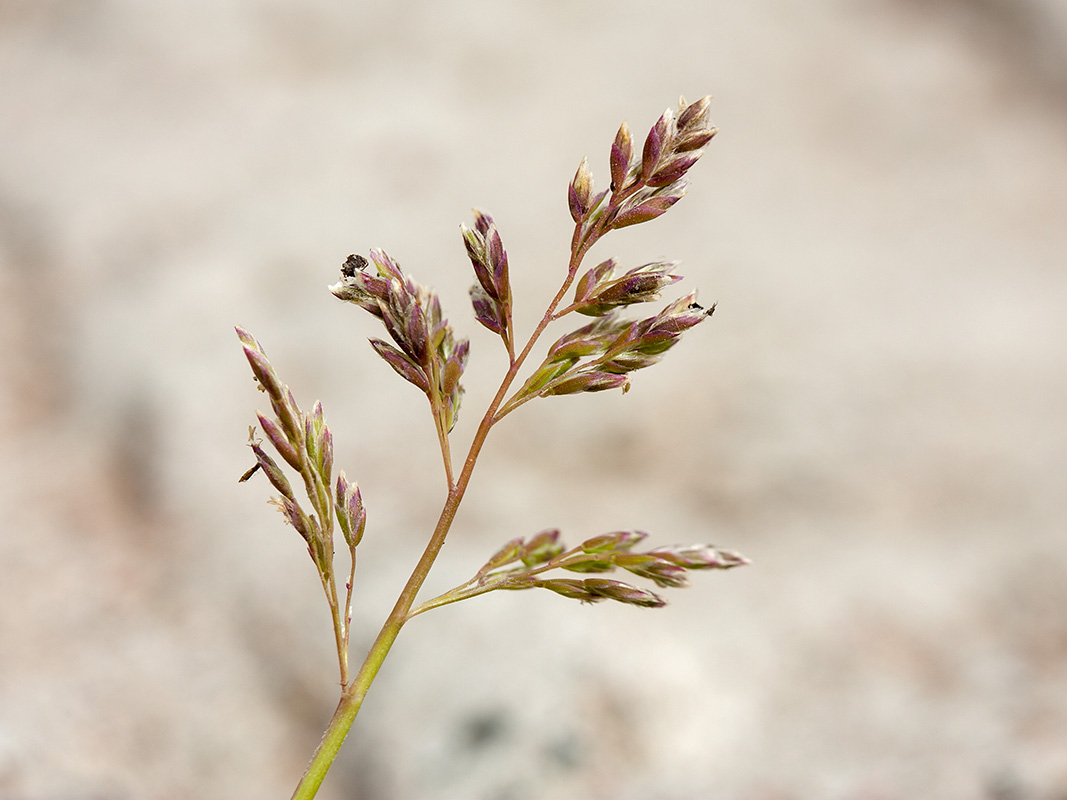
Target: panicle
{"x": 425, "y": 351}
{"x": 351, "y": 515}
{"x": 491, "y": 295}
{"x": 519, "y": 564}
{"x": 645, "y": 187}
{"x": 305, "y": 443}
{"x": 600, "y": 290}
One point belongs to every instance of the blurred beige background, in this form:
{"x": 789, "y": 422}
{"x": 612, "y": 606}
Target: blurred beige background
{"x": 875, "y": 415}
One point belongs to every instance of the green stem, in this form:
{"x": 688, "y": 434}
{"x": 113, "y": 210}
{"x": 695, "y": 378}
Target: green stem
{"x": 332, "y": 739}
{"x": 349, "y": 586}
{"x": 340, "y": 629}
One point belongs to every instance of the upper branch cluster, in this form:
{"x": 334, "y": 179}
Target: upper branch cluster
{"x": 426, "y": 352}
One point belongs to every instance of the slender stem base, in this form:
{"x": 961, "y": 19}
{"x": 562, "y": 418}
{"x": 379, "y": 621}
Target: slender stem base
{"x": 334, "y": 736}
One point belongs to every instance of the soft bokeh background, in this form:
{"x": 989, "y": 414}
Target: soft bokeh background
{"x": 876, "y": 414}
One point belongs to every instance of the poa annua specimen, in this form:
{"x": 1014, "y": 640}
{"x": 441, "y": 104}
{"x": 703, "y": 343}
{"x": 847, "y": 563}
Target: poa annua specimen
{"x": 425, "y": 351}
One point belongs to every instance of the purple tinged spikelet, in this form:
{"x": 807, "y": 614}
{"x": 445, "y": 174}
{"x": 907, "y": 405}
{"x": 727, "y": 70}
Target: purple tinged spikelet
{"x": 569, "y": 587}
{"x": 341, "y": 506}
{"x": 278, "y": 438}
{"x": 596, "y": 337}
{"x": 397, "y": 330}
{"x": 459, "y": 355}
{"x": 486, "y": 310}
{"x": 387, "y": 266}
{"x": 580, "y": 191}
{"x": 273, "y": 472}
{"x": 450, "y": 379}
{"x": 482, "y": 222}
{"x": 593, "y": 278}
{"x": 594, "y": 381}
{"x": 491, "y": 296}
{"x": 673, "y": 169}
{"x": 567, "y": 350}
{"x": 311, "y": 438}
{"x": 281, "y": 398}
{"x": 474, "y": 241}
{"x": 358, "y": 515}
{"x": 644, "y": 342}
{"x": 658, "y": 137}
{"x": 351, "y": 515}
{"x": 487, "y": 255}
{"x": 298, "y": 519}
{"x": 541, "y": 548}
{"x": 417, "y": 336}
{"x": 509, "y": 553}
{"x": 648, "y": 210}
{"x": 246, "y": 337}
{"x": 430, "y": 305}
{"x": 587, "y": 564}
{"x": 498, "y": 262}
{"x": 326, "y": 453}
{"x": 621, "y": 156}
{"x": 665, "y": 573}
{"x": 515, "y": 581}
{"x": 623, "y": 592}
{"x": 690, "y": 114}
{"x": 289, "y": 416}
{"x": 694, "y": 126}
{"x": 263, "y": 371}
{"x": 700, "y": 557}
{"x": 680, "y": 316}
{"x": 596, "y": 207}
{"x": 696, "y": 141}
{"x": 619, "y": 540}
{"x": 544, "y": 375}
{"x": 401, "y": 363}
{"x": 584, "y": 341}
{"x": 629, "y": 362}
{"x": 603, "y": 291}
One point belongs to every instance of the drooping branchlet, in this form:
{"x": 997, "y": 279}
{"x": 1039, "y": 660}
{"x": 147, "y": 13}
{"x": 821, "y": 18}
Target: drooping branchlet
{"x": 520, "y": 563}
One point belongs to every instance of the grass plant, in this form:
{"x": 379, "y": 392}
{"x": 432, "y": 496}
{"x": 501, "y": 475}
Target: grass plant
{"x": 424, "y": 350}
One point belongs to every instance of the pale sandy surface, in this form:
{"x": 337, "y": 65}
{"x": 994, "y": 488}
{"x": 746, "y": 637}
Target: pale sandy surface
{"x": 876, "y": 414}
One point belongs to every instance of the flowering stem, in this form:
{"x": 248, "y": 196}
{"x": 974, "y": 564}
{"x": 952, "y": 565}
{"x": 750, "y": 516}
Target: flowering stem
{"x": 352, "y": 693}
{"x": 427, "y": 354}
